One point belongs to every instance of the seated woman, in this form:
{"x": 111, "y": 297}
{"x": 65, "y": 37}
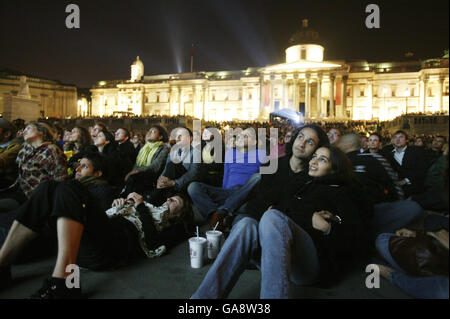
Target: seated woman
{"x": 305, "y": 239}
{"x": 105, "y": 144}
{"x": 39, "y": 160}
{"x": 149, "y": 163}
{"x": 88, "y": 237}
{"x": 79, "y": 141}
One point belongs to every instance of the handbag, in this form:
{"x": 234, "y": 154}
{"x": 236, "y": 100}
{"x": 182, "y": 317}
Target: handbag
{"x": 421, "y": 256}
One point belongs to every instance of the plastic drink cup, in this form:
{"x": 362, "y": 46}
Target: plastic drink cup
{"x": 214, "y": 239}
{"x": 197, "y": 247}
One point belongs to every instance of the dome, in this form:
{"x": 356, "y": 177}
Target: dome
{"x": 138, "y": 62}
{"x": 306, "y": 35}
{"x": 137, "y": 70}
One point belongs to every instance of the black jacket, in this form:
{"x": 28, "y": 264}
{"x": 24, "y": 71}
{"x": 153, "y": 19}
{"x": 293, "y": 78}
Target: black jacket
{"x": 376, "y": 181}
{"x": 413, "y": 167}
{"x": 347, "y": 241}
{"x": 269, "y": 189}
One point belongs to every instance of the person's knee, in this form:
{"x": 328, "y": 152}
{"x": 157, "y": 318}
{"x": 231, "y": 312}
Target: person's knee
{"x": 413, "y": 208}
{"x": 271, "y": 220}
{"x": 194, "y": 188}
{"x": 247, "y": 227}
{"x": 255, "y": 178}
{"x": 382, "y": 240}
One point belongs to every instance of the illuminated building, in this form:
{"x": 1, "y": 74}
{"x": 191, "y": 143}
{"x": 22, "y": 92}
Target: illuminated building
{"x": 53, "y": 98}
{"x": 319, "y": 89}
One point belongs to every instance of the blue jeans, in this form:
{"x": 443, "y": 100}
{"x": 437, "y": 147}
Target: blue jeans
{"x": 237, "y": 250}
{"x": 288, "y": 255}
{"x": 431, "y": 287}
{"x": 208, "y": 199}
{"x": 391, "y": 216}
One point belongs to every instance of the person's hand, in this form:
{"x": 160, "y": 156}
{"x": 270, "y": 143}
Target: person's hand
{"x": 131, "y": 173}
{"x": 319, "y": 220}
{"x": 402, "y": 182}
{"x": 119, "y": 202}
{"x": 405, "y": 233}
{"x": 135, "y": 198}
{"x": 164, "y": 182}
{"x": 445, "y": 149}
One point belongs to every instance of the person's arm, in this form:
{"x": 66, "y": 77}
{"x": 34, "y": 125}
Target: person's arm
{"x": 9, "y": 155}
{"x": 55, "y": 164}
{"x": 159, "y": 160}
{"x": 194, "y": 173}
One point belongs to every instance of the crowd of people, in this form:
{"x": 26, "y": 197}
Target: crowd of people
{"x": 338, "y": 195}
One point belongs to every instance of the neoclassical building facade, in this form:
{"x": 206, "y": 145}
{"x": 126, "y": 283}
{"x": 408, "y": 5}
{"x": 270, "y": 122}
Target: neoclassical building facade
{"x": 53, "y": 98}
{"x": 305, "y": 82}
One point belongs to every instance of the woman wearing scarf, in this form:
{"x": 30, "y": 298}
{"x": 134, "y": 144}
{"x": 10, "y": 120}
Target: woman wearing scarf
{"x": 149, "y": 162}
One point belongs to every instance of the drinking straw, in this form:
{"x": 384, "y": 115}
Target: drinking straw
{"x": 197, "y": 232}
{"x": 216, "y": 226}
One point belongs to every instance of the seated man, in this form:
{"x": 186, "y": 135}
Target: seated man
{"x": 334, "y": 135}
{"x": 374, "y": 143}
{"x": 9, "y": 148}
{"x": 241, "y": 174}
{"x": 381, "y": 184}
{"x": 409, "y": 162}
{"x": 126, "y": 148}
{"x": 435, "y": 151}
{"x": 75, "y": 210}
{"x": 149, "y": 163}
{"x": 181, "y": 168}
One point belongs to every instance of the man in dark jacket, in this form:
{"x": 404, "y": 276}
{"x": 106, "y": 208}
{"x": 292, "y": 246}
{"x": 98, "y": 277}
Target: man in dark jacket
{"x": 126, "y": 149}
{"x": 74, "y": 209}
{"x": 409, "y": 162}
{"x": 391, "y": 211}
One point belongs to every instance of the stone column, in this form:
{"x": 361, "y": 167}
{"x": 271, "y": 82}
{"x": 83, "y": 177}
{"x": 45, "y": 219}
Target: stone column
{"x": 271, "y": 106}
{"x": 344, "y": 95}
{"x": 423, "y": 94}
{"x": 370, "y": 104}
{"x": 319, "y": 95}
{"x": 261, "y": 94}
{"x": 440, "y": 88}
{"x": 307, "y": 96}
{"x": 283, "y": 77}
{"x": 332, "y": 107}
{"x": 296, "y": 108}
{"x": 205, "y": 97}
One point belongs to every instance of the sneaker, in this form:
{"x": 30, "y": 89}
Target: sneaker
{"x": 55, "y": 288}
{"x": 5, "y": 277}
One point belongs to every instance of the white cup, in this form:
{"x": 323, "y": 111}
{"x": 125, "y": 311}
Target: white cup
{"x": 214, "y": 239}
{"x": 197, "y": 247}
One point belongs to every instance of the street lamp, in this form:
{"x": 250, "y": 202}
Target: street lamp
{"x": 406, "y": 100}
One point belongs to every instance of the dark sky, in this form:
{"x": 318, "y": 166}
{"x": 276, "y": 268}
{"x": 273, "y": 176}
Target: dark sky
{"x": 227, "y": 34}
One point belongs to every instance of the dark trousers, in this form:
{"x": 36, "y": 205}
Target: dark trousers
{"x": 105, "y": 242}
{"x": 158, "y": 196}
{"x": 143, "y": 182}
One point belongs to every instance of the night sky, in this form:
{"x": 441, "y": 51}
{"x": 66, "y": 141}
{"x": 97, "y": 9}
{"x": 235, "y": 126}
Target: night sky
{"x": 227, "y": 34}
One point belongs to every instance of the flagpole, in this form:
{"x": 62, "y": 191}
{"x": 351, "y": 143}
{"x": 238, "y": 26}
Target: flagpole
{"x": 192, "y": 58}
